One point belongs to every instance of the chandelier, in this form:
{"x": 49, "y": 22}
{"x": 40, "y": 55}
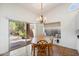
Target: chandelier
{"x": 42, "y": 19}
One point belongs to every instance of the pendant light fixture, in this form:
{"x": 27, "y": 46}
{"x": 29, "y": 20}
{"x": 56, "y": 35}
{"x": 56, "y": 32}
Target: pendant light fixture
{"x": 42, "y": 19}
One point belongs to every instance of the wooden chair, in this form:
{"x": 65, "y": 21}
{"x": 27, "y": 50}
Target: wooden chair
{"x": 33, "y": 49}
{"x": 42, "y": 48}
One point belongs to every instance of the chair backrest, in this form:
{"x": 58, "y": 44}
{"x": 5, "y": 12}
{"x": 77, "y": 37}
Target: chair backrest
{"x": 42, "y": 42}
{"x": 42, "y": 48}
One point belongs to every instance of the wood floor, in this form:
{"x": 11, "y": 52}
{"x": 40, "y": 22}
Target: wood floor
{"x": 62, "y": 51}
{"x": 58, "y": 51}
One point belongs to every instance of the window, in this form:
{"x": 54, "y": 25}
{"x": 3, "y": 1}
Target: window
{"x": 19, "y": 33}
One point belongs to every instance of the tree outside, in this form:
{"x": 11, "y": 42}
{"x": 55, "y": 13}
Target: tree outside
{"x": 17, "y": 27}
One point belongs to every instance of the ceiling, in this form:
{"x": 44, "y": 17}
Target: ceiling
{"x": 36, "y": 7}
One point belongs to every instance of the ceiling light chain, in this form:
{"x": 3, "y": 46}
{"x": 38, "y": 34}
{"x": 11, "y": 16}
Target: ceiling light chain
{"x": 42, "y": 18}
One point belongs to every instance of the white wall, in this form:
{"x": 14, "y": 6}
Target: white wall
{"x": 77, "y": 21}
{"x": 77, "y": 45}
{"x": 67, "y": 19}
{"x": 4, "y": 40}
{"x": 77, "y": 29}
{"x": 38, "y": 29}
